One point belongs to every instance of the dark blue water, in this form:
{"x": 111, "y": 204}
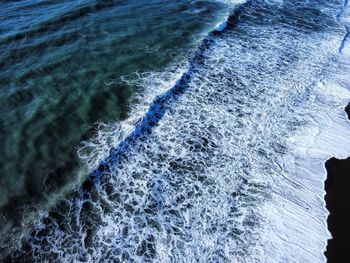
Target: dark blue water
{"x": 213, "y": 136}
{"x": 61, "y": 67}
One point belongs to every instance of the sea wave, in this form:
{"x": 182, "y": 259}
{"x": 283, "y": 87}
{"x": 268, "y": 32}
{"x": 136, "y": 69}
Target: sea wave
{"x": 108, "y": 136}
{"x": 225, "y": 165}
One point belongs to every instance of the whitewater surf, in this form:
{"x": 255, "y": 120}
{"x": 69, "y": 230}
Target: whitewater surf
{"x": 226, "y": 162}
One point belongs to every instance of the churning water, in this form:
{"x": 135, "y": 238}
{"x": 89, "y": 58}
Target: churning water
{"x": 222, "y": 157}
{"x": 66, "y": 65}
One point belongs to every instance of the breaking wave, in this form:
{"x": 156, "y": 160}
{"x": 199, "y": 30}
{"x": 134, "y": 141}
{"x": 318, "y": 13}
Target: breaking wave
{"x": 226, "y": 162}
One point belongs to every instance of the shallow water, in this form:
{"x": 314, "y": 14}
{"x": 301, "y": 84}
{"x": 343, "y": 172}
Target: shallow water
{"x": 222, "y": 158}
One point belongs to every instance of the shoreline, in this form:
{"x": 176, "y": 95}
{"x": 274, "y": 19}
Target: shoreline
{"x": 338, "y": 204}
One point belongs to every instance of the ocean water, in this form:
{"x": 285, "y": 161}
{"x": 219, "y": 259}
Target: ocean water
{"x": 219, "y": 153}
{"x": 66, "y": 66}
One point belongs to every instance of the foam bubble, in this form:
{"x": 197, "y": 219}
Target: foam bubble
{"x": 221, "y": 26}
{"x": 226, "y": 166}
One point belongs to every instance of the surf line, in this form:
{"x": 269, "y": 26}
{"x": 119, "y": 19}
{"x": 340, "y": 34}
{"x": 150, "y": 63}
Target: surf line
{"x": 161, "y": 103}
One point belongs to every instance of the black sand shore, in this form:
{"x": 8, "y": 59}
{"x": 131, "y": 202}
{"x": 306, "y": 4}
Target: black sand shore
{"x": 337, "y": 199}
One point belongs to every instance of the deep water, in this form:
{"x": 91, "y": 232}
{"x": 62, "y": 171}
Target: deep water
{"x": 62, "y": 69}
{"x": 213, "y": 146}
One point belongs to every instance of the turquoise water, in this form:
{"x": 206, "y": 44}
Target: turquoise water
{"x": 61, "y": 67}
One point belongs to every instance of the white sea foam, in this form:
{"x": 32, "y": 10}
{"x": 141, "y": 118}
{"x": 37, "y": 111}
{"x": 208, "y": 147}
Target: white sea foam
{"x": 233, "y": 171}
{"x": 107, "y": 136}
{"x": 234, "y": 2}
{"x": 346, "y": 48}
{"x": 221, "y": 26}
